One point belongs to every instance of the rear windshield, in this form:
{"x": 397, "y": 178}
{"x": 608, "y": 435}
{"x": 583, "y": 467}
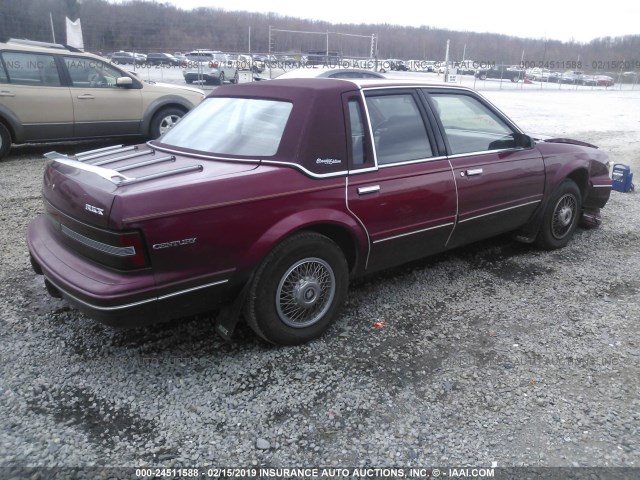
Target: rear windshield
{"x": 232, "y": 126}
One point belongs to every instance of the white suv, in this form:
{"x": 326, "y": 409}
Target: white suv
{"x": 50, "y": 92}
{"x": 210, "y": 67}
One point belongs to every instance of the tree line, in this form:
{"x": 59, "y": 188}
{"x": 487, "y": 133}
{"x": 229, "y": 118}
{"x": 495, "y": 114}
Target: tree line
{"x": 146, "y": 26}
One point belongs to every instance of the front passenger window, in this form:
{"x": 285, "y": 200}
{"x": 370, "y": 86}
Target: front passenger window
{"x": 90, "y": 73}
{"x": 470, "y": 126}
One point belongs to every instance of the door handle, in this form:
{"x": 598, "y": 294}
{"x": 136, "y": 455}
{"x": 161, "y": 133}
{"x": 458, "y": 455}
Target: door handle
{"x": 473, "y": 171}
{"x": 371, "y": 189}
{"x": 86, "y": 96}
{"x": 5, "y": 93}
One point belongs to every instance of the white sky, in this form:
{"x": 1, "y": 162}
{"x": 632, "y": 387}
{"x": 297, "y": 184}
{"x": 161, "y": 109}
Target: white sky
{"x": 553, "y": 19}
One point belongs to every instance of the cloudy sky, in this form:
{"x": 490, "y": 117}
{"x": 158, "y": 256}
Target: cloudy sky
{"x": 552, "y": 19}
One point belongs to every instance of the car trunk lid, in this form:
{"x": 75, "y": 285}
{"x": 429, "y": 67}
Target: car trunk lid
{"x": 84, "y": 186}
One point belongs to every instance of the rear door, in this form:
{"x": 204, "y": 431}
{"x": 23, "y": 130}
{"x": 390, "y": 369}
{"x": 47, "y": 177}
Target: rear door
{"x": 33, "y": 94}
{"x": 101, "y": 108}
{"x": 500, "y": 184}
{"x": 399, "y": 187}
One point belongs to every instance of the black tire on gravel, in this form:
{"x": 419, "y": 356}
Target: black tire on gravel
{"x": 298, "y": 290}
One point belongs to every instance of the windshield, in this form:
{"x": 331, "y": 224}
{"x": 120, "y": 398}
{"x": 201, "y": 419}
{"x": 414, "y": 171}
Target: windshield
{"x": 232, "y": 126}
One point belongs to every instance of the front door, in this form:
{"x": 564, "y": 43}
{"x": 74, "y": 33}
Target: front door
{"x": 101, "y": 108}
{"x": 500, "y": 183}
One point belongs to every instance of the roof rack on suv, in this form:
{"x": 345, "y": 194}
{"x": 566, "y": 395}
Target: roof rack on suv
{"x": 35, "y": 43}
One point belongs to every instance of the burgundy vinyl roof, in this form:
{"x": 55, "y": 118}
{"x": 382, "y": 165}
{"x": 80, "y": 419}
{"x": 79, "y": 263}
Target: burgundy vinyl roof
{"x": 315, "y": 134}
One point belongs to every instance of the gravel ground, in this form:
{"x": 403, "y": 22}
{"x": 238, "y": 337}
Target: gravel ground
{"x": 493, "y": 354}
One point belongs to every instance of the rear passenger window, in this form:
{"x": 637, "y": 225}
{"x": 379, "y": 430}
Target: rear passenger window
{"x": 398, "y": 129}
{"x": 470, "y": 126}
{"x": 31, "y": 69}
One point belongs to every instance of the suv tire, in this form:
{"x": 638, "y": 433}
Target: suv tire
{"x": 5, "y": 141}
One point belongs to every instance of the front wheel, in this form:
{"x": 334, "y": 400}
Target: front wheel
{"x": 560, "y": 216}
{"x": 164, "y": 120}
{"x": 298, "y": 290}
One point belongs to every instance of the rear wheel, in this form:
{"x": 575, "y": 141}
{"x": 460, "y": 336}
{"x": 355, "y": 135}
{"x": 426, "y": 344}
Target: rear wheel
{"x": 221, "y": 78}
{"x": 483, "y": 76}
{"x": 560, "y": 217}
{"x": 164, "y": 120}
{"x": 5, "y": 141}
{"x": 298, "y": 290}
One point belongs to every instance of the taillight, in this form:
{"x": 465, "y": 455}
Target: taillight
{"x": 138, "y": 258}
{"x": 122, "y": 250}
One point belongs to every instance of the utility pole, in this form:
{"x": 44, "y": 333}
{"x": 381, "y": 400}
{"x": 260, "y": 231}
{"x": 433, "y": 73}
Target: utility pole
{"x": 53, "y": 32}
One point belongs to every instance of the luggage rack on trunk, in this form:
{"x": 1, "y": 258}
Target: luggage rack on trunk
{"x": 85, "y": 161}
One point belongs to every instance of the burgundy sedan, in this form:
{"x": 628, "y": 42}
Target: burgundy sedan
{"x": 269, "y": 197}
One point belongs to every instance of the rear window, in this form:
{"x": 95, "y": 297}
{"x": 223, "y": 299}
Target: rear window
{"x": 232, "y": 126}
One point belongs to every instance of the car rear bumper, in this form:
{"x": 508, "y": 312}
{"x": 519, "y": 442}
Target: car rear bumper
{"x": 118, "y": 299}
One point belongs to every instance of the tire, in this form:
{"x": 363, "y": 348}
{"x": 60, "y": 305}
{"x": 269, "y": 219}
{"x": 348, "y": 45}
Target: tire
{"x": 221, "y": 79}
{"x": 5, "y": 141}
{"x": 515, "y": 79}
{"x": 164, "y": 120}
{"x": 560, "y": 217}
{"x": 309, "y": 270}
{"x": 188, "y": 80}
{"x": 235, "y": 78}
{"x": 483, "y": 76}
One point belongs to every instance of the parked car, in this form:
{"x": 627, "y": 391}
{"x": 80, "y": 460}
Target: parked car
{"x": 127, "y": 58}
{"x": 53, "y": 93}
{"x": 538, "y": 74}
{"x": 181, "y": 57}
{"x": 598, "y": 80}
{"x": 554, "y": 77}
{"x": 162, "y": 59}
{"x": 273, "y": 195}
{"x": 210, "y": 67}
{"x": 250, "y": 63}
{"x": 398, "y": 65}
{"x": 572, "y": 76}
{"x": 507, "y": 72}
{"x": 320, "y": 72}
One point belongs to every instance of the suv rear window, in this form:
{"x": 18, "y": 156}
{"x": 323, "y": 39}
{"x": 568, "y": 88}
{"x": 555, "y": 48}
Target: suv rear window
{"x": 232, "y": 126}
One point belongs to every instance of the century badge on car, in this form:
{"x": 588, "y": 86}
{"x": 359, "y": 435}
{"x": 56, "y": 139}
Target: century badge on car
{"x": 270, "y": 197}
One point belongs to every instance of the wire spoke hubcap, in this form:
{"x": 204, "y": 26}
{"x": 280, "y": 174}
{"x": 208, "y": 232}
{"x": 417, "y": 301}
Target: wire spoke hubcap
{"x": 563, "y": 216}
{"x": 305, "y": 292}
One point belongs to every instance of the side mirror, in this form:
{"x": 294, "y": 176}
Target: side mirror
{"x": 522, "y": 140}
{"x": 124, "y": 82}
